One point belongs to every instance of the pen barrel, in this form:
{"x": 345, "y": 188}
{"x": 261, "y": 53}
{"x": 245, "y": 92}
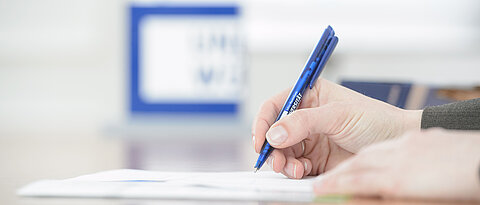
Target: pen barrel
{"x": 291, "y": 104}
{"x": 296, "y": 94}
{"x": 264, "y": 153}
{"x": 311, "y": 71}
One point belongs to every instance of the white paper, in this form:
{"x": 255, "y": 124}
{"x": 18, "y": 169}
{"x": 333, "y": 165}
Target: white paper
{"x": 128, "y": 183}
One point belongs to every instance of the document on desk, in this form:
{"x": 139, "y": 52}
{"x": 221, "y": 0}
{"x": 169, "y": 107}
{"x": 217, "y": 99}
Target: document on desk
{"x": 129, "y": 183}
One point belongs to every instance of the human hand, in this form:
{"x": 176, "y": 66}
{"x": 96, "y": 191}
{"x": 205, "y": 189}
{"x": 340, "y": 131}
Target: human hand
{"x": 332, "y": 122}
{"x": 433, "y": 164}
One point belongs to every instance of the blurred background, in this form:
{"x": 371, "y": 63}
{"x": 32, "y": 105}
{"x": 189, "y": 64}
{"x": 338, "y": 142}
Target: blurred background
{"x": 91, "y": 85}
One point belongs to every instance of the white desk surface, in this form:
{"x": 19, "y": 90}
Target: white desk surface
{"x": 24, "y": 161}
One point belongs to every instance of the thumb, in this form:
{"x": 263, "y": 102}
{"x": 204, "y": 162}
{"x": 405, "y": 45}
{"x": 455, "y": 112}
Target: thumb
{"x": 302, "y": 123}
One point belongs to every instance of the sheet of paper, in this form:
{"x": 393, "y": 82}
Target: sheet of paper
{"x": 127, "y": 183}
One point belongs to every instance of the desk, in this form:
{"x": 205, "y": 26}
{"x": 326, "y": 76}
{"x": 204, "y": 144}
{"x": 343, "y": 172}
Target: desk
{"x": 55, "y": 201}
{"x": 24, "y": 161}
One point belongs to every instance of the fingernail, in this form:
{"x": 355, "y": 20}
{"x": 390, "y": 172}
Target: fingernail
{"x": 253, "y": 140}
{"x": 306, "y": 166}
{"x": 291, "y": 170}
{"x": 277, "y": 135}
{"x": 271, "y": 161}
{"x": 295, "y": 171}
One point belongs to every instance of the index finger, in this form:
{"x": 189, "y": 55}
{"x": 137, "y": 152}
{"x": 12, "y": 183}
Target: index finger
{"x": 266, "y": 116}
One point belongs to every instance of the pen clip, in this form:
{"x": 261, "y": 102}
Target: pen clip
{"x": 315, "y": 56}
{"x": 324, "y": 56}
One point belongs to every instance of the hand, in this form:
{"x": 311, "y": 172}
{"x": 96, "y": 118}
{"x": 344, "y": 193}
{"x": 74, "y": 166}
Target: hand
{"x": 332, "y": 122}
{"x": 433, "y": 164}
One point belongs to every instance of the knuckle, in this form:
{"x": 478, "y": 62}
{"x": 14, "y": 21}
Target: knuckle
{"x": 266, "y": 104}
{"x": 299, "y": 122}
{"x": 322, "y": 85}
{"x": 301, "y": 116}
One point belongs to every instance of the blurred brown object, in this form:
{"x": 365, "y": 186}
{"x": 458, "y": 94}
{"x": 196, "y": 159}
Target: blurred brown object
{"x": 459, "y": 94}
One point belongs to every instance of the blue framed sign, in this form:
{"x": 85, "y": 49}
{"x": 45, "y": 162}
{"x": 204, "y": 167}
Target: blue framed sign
{"x": 185, "y": 59}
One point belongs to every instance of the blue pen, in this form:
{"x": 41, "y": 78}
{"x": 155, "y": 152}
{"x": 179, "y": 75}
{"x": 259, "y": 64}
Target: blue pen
{"x": 314, "y": 66}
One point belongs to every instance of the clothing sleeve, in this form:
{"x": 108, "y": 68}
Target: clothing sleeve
{"x": 464, "y": 115}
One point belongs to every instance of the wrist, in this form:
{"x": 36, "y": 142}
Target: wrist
{"x": 412, "y": 120}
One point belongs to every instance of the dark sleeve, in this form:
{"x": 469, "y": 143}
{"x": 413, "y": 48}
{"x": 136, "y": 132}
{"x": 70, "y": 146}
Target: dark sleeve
{"x": 464, "y": 115}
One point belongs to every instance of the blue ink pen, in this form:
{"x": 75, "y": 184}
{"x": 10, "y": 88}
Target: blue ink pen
{"x": 311, "y": 71}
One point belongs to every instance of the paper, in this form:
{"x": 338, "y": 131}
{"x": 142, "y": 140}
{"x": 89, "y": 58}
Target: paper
{"x": 128, "y": 183}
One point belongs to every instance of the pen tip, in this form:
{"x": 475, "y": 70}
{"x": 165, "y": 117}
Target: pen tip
{"x": 255, "y": 171}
